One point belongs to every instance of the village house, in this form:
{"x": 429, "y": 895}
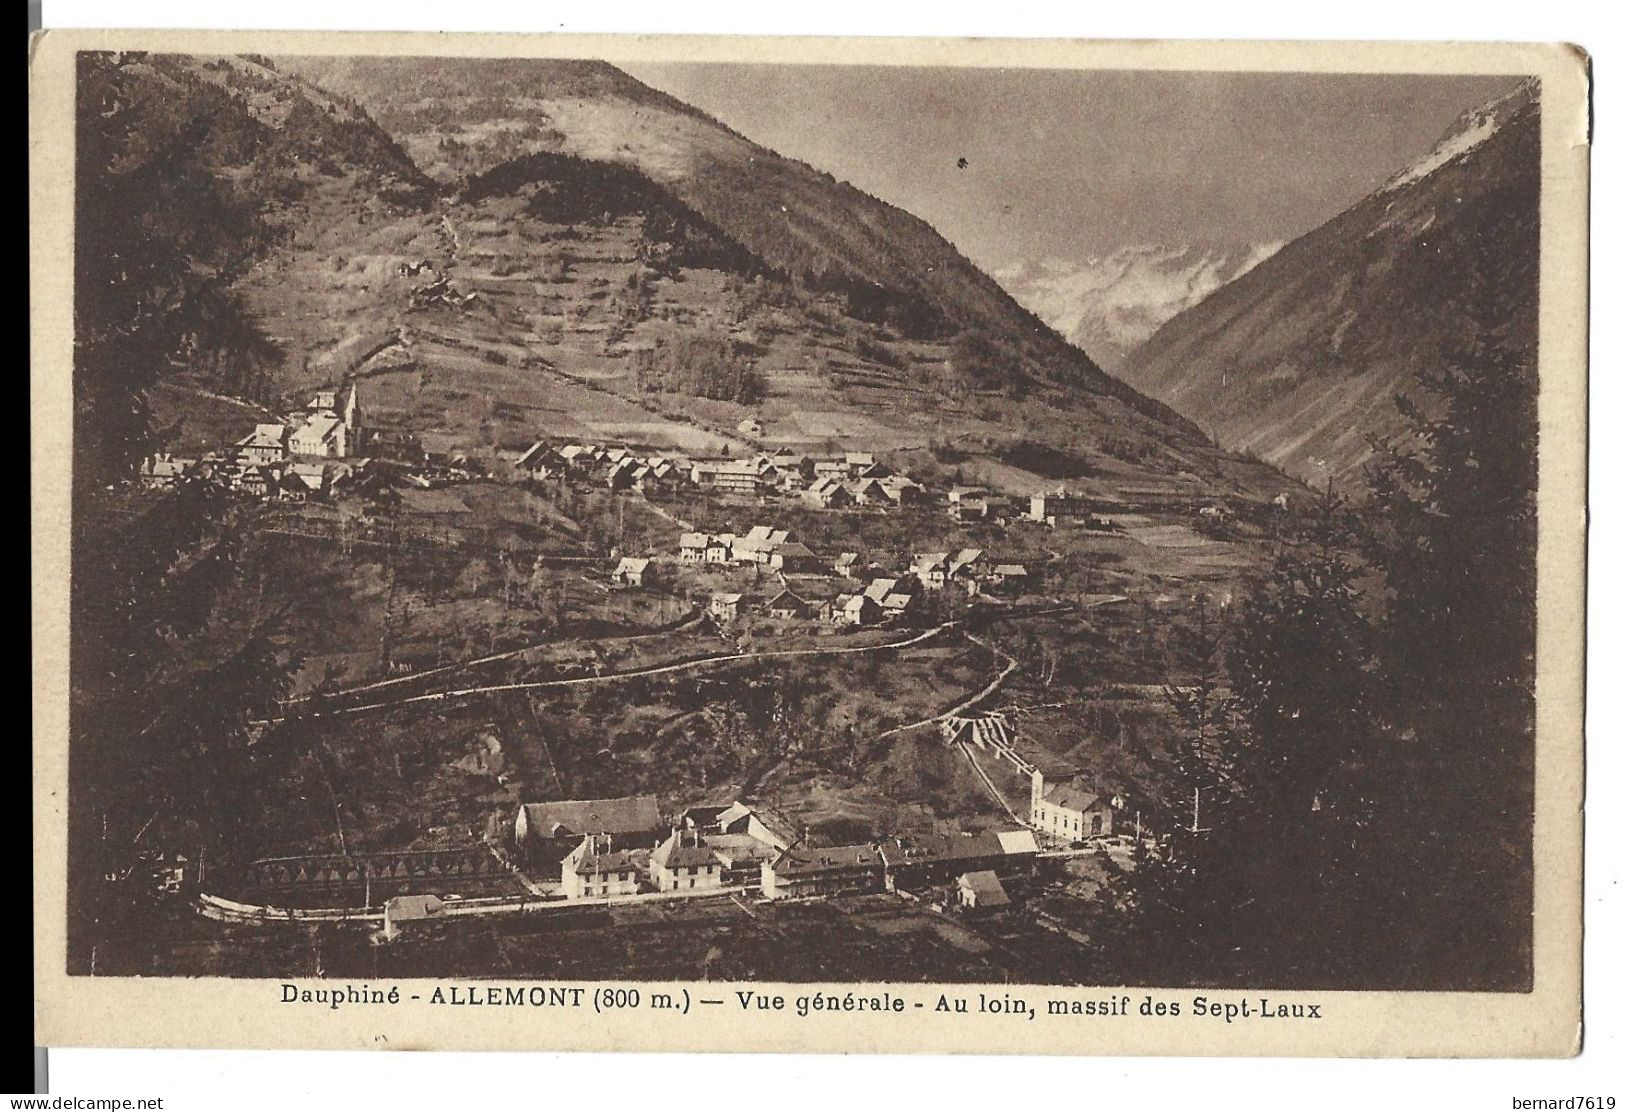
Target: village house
{"x": 164, "y": 470}
{"x": 854, "y": 610}
{"x": 580, "y": 457}
{"x": 683, "y": 862}
{"x": 897, "y": 605}
{"x": 257, "y": 481}
{"x": 1011, "y": 577}
{"x": 847, "y": 565}
{"x": 543, "y": 832}
{"x": 647, "y": 481}
{"x": 857, "y": 463}
{"x": 632, "y": 571}
{"x": 794, "y": 558}
{"x": 758, "y": 545}
{"x": 726, "y": 606}
{"x": 901, "y": 491}
{"x": 540, "y": 462}
{"x": 593, "y": 871}
{"x": 969, "y": 509}
{"x": 304, "y": 478}
{"x": 1055, "y": 508}
{"x": 789, "y": 473}
{"x": 929, "y": 859}
{"x": 268, "y": 443}
{"x": 734, "y": 818}
{"x": 728, "y": 476}
{"x": 867, "y": 492}
{"x": 742, "y": 857}
{"x": 878, "y": 589}
{"x": 1071, "y": 813}
{"x": 787, "y": 604}
{"x": 742, "y": 818}
{"x": 703, "y": 817}
{"x": 319, "y": 436}
{"x": 719, "y": 549}
{"x": 622, "y": 472}
{"x": 931, "y": 569}
{"x": 691, "y": 547}
{"x": 828, "y": 493}
{"x": 409, "y": 909}
{"x": 981, "y": 891}
{"x": 830, "y": 871}
{"x": 966, "y": 564}
{"x": 831, "y": 469}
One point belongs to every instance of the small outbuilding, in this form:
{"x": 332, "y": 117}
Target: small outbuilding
{"x": 982, "y": 890}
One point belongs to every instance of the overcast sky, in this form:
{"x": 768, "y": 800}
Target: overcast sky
{"x": 1066, "y": 164}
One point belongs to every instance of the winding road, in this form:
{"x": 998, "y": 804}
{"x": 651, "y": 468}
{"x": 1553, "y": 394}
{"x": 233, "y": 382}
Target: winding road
{"x": 612, "y": 677}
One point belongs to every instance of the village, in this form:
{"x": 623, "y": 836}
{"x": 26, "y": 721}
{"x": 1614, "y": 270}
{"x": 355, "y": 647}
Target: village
{"x": 327, "y": 452}
{"x": 774, "y": 546}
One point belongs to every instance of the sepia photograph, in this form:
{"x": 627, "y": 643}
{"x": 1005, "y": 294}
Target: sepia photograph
{"x": 569, "y": 521}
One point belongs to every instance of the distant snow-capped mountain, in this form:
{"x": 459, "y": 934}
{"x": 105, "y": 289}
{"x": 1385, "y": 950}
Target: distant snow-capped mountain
{"x": 1300, "y": 360}
{"x": 1109, "y": 304}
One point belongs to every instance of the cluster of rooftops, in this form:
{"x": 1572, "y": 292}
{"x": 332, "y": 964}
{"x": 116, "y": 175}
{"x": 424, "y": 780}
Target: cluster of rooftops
{"x": 622, "y": 846}
{"x": 312, "y": 451}
{"x": 851, "y": 478}
{"x": 883, "y": 597}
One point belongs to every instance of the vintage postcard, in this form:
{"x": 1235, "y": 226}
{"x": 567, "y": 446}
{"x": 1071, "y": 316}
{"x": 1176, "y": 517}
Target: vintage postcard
{"x": 808, "y": 545}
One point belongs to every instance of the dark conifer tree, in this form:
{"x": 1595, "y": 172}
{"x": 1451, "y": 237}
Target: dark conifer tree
{"x": 1455, "y": 531}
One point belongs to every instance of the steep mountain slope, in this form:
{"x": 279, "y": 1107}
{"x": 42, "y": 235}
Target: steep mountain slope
{"x": 1108, "y": 305}
{"x": 464, "y": 116}
{"x": 192, "y": 174}
{"x": 1299, "y": 359}
{"x": 583, "y": 256}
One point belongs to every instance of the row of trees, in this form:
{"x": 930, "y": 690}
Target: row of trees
{"x": 1354, "y": 779}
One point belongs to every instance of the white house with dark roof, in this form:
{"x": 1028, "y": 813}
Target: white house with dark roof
{"x": 683, "y": 862}
{"x": 825, "y": 871}
{"x": 268, "y": 443}
{"x": 1071, "y": 813}
{"x": 592, "y": 871}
